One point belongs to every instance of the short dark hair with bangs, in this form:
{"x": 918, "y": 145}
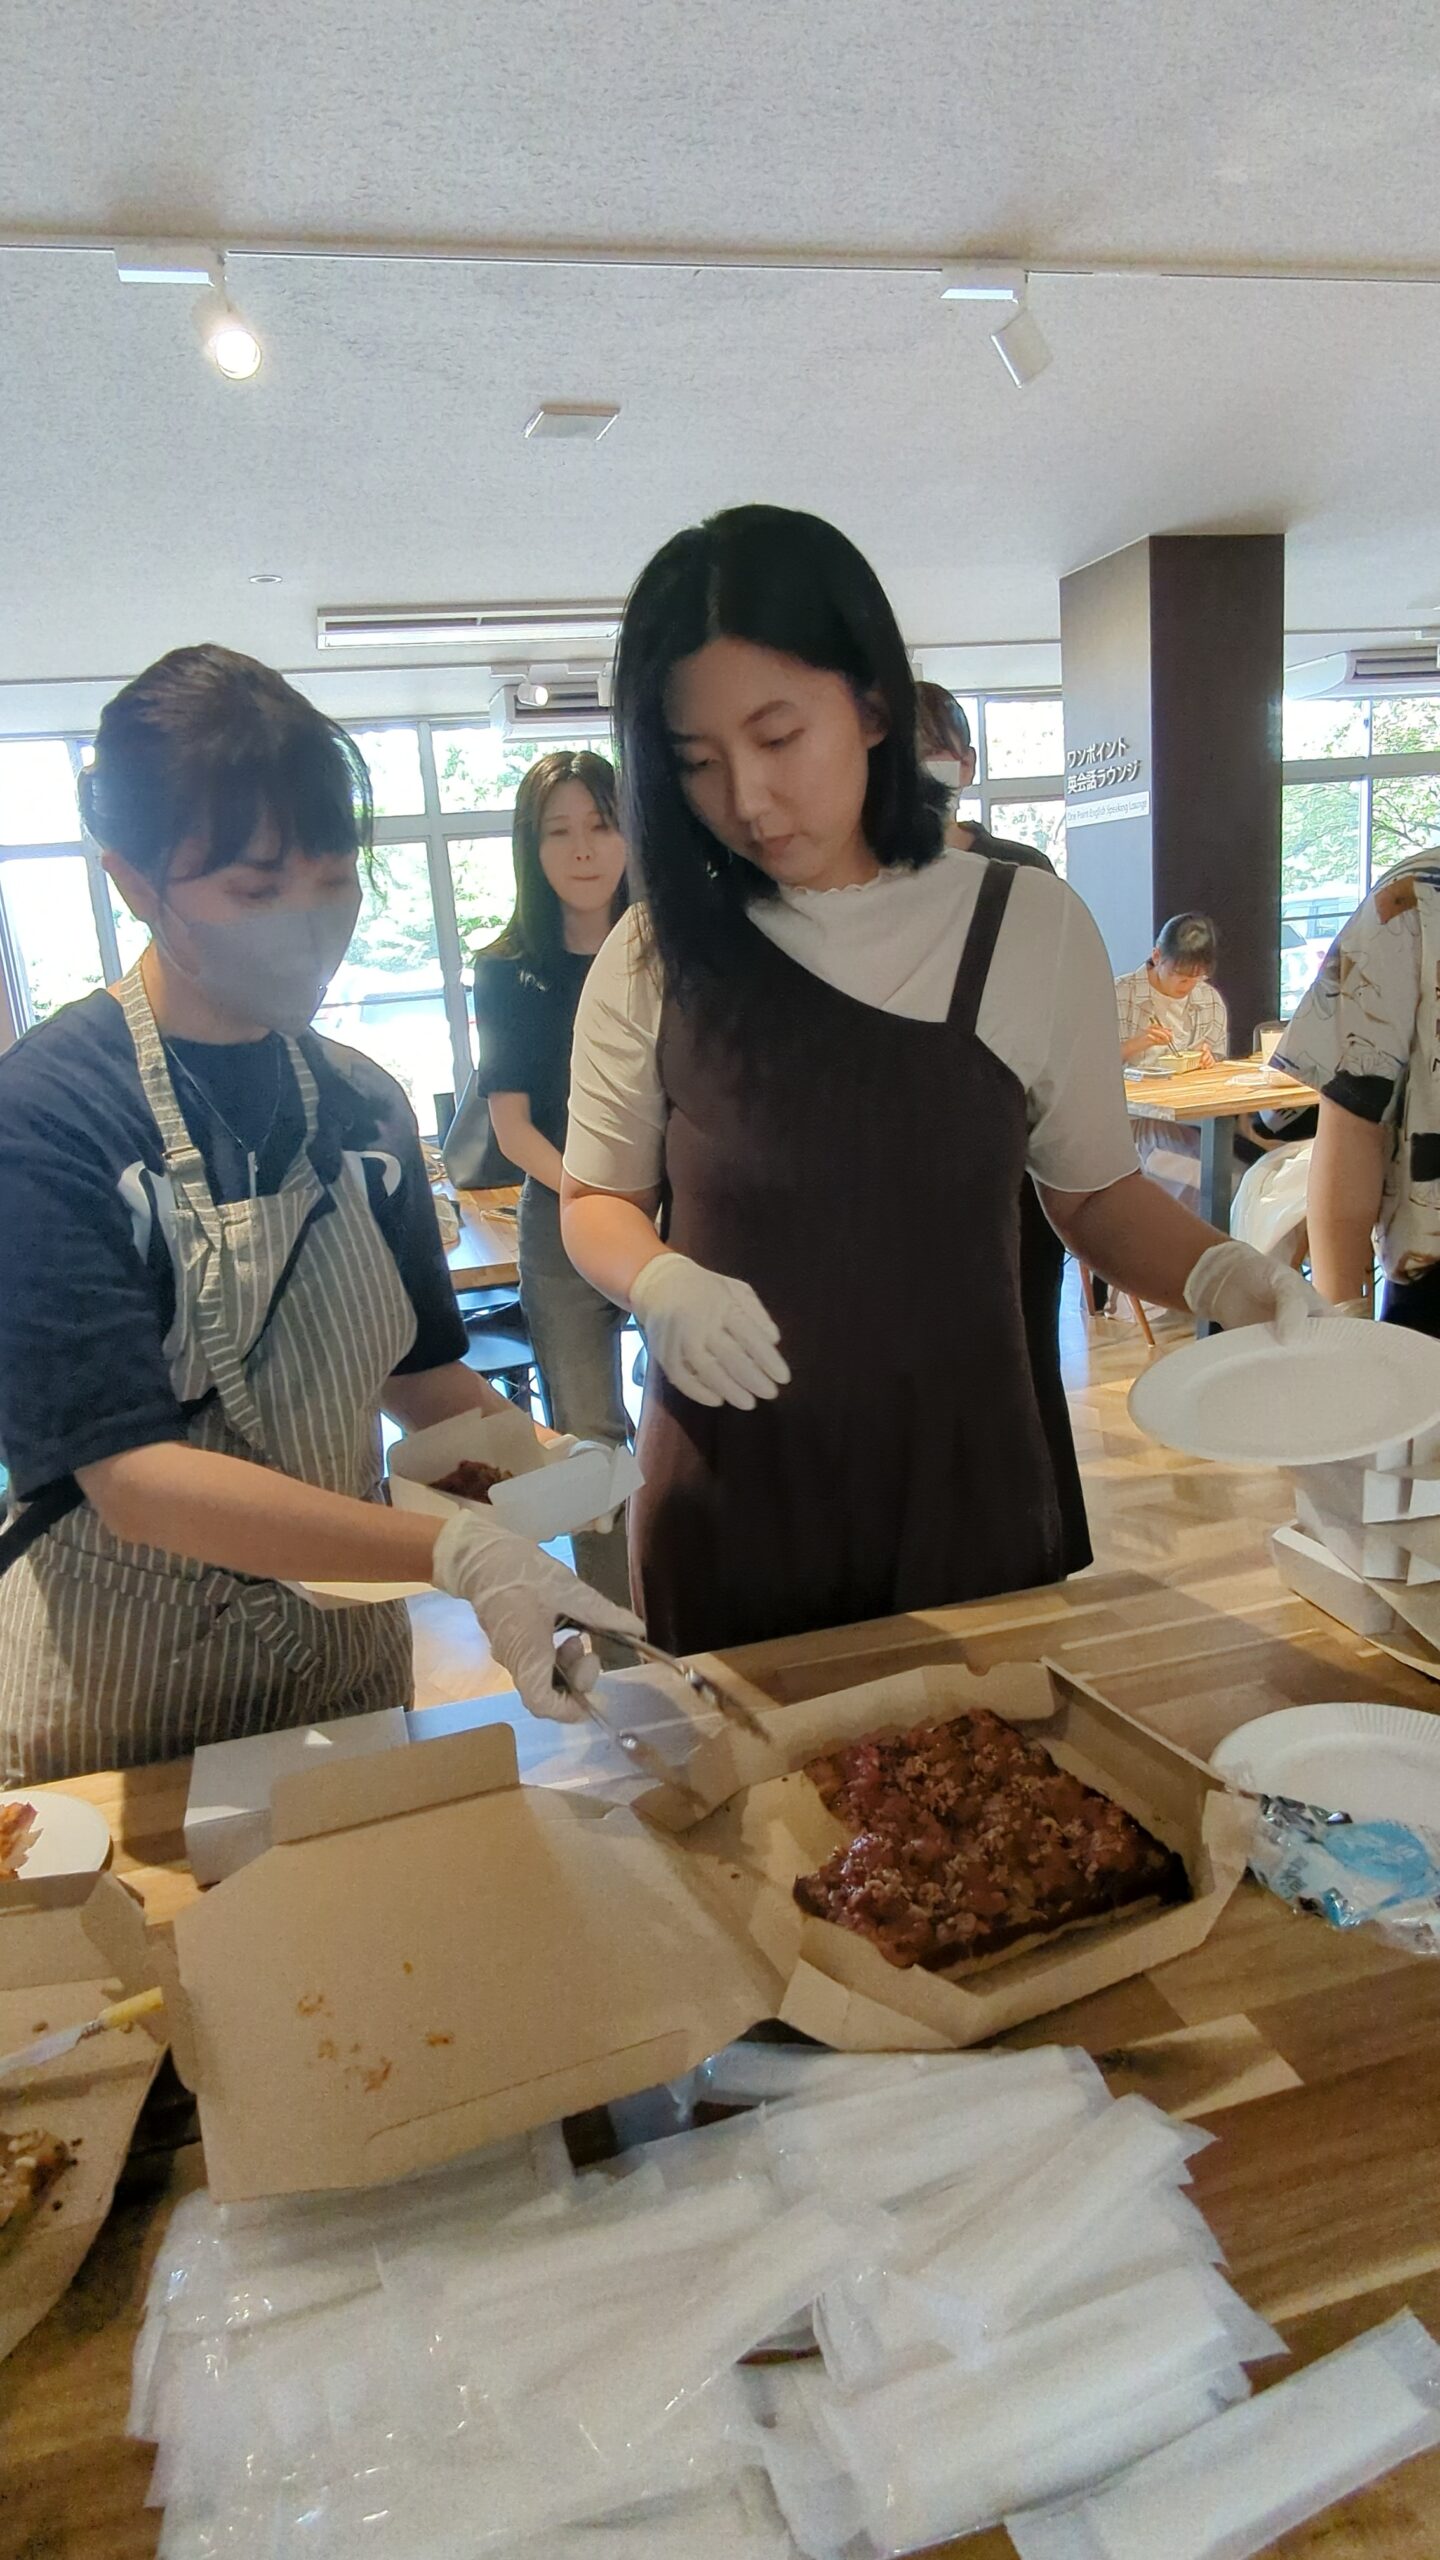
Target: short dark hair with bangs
{"x": 208, "y": 745}
{"x": 788, "y": 582}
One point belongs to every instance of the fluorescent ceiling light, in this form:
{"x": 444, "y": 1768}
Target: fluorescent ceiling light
{"x": 473, "y": 626}
{"x": 164, "y": 262}
{"x": 982, "y": 281}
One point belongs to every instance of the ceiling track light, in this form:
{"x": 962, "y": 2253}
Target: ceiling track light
{"x": 1020, "y": 344}
{"x": 227, "y": 338}
{"x": 1017, "y": 339}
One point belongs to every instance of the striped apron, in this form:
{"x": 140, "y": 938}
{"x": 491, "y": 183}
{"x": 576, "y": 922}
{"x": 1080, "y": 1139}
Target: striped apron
{"x": 290, "y": 1314}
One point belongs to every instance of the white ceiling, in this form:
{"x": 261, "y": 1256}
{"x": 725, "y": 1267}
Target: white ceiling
{"x": 379, "y": 456}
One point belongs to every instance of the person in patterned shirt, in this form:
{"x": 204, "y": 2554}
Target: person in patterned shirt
{"x": 1166, "y": 1006}
{"x": 1367, "y": 1037}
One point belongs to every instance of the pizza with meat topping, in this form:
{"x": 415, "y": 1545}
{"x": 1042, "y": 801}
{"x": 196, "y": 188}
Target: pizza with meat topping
{"x": 966, "y": 1838}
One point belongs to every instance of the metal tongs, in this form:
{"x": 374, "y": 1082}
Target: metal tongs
{"x": 709, "y": 1691}
{"x": 636, "y": 1748}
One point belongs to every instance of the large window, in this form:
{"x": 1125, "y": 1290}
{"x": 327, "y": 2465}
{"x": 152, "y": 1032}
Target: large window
{"x": 439, "y": 887}
{"x": 1020, "y": 772}
{"x": 1361, "y": 793}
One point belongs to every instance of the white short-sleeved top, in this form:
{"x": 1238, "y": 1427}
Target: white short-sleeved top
{"x": 1048, "y": 1013}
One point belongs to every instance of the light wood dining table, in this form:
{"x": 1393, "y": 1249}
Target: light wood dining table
{"x": 486, "y": 1254}
{"x": 1212, "y": 1099}
{"x": 1311, "y": 2054}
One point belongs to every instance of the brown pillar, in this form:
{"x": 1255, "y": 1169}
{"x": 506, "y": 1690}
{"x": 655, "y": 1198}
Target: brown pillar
{"x": 1172, "y": 658}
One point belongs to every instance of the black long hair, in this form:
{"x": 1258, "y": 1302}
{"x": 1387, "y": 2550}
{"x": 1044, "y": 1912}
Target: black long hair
{"x": 788, "y": 582}
{"x": 536, "y": 931}
{"x": 207, "y": 743}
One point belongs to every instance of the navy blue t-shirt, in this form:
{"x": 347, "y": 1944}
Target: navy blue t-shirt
{"x": 87, "y": 1292}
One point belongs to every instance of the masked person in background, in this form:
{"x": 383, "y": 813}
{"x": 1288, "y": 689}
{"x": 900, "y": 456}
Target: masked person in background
{"x": 219, "y": 1263}
{"x": 948, "y": 754}
{"x": 821, "y": 1017}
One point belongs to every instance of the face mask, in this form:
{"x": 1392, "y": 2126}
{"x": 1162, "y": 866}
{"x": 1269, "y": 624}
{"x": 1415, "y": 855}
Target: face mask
{"x": 273, "y": 967}
{"x": 945, "y": 769}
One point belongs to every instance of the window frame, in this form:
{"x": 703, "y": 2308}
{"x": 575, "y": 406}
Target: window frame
{"x": 437, "y": 828}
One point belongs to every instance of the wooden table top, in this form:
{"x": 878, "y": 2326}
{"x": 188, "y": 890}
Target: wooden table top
{"x": 486, "y": 1253}
{"x": 1313, "y": 2056}
{"x": 1216, "y": 1093}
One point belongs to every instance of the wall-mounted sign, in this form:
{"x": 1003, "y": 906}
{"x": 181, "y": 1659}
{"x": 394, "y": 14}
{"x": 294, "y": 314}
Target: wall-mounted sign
{"x": 1102, "y": 813}
{"x": 1107, "y": 764}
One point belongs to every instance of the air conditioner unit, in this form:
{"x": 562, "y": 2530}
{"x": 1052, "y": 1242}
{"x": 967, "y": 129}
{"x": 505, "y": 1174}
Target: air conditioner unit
{"x": 552, "y": 702}
{"x": 1405, "y": 666}
{"x": 466, "y": 626}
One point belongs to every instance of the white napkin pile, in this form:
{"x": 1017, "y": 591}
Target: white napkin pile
{"x": 1011, "y": 2292}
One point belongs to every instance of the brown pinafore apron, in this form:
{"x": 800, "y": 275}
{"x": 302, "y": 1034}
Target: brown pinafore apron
{"x": 906, "y": 1465}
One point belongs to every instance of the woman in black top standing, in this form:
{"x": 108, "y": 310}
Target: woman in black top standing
{"x": 570, "y": 888}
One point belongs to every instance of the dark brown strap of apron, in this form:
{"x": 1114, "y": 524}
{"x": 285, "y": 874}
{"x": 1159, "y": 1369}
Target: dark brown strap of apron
{"x": 979, "y": 951}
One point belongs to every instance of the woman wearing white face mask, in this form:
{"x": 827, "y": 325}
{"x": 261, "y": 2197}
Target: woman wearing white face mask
{"x": 218, "y": 1262}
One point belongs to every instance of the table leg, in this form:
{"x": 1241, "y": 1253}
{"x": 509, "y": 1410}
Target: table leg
{"x": 1217, "y": 1169}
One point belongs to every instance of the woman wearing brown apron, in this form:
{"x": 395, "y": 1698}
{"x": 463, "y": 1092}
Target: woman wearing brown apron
{"x": 825, "y": 1052}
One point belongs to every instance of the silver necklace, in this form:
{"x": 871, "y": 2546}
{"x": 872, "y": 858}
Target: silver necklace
{"x": 251, "y": 1155}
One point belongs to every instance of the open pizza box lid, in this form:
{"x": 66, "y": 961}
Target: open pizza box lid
{"x": 68, "y": 1945}
{"x": 431, "y": 1957}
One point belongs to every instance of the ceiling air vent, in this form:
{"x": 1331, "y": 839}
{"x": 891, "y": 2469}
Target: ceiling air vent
{"x": 466, "y": 626}
{"x": 552, "y": 702}
{"x": 1407, "y": 666}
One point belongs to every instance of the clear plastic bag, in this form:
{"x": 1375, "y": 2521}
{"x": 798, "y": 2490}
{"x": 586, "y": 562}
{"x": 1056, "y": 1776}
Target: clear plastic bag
{"x": 1001, "y": 2262}
{"x": 1384, "y": 1875}
{"x": 1255, "y": 2472}
{"x": 862, "y": 2148}
{"x": 659, "y": 2355}
{"x": 941, "y": 2450}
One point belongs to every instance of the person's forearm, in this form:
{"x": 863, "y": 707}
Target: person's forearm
{"x": 522, "y": 1141}
{"x": 609, "y": 1236}
{"x": 1346, "y": 1182}
{"x": 248, "y": 1519}
{"x": 437, "y": 1395}
{"x": 1135, "y": 1047}
{"x": 1134, "y": 1235}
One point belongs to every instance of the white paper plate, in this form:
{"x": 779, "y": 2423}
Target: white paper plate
{"x": 1341, "y": 1391}
{"x": 356, "y": 1595}
{"x": 1375, "y": 1763}
{"x": 71, "y": 1838}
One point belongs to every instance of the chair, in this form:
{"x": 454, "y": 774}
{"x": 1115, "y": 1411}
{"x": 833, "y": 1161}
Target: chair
{"x": 1269, "y": 1207}
{"x": 499, "y": 1342}
{"x": 1137, "y": 1305}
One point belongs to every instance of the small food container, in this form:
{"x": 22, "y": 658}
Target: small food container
{"x": 554, "y": 1487}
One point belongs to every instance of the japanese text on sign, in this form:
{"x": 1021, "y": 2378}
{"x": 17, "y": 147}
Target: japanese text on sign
{"x": 1104, "y": 765}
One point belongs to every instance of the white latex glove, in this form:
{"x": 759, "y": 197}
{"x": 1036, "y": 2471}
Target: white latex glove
{"x": 711, "y": 1336}
{"x": 1232, "y": 1285}
{"x": 520, "y": 1597}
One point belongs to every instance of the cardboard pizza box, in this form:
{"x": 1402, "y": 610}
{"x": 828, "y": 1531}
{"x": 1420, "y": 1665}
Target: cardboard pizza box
{"x": 838, "y": 1987}
{"x": 431, "y": 1956}
{"x": 68, "y": 1946}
